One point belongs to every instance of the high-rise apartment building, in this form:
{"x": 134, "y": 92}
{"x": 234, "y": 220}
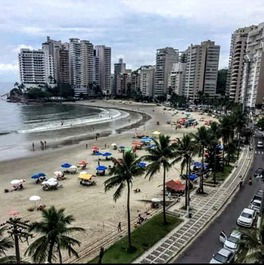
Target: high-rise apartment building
{"x": 236, "y": 63}
{"x": 147, "y": 79}
{"x": 63, "y": 66}
{"x": 103, "y": 54}
{"x": 177, "y": 78}
{"x": 32, "y": 67}
{"x": 165, "y": 58}
{"x": 201, "y": 69}
{"x": 119, "y": 68}
{"x": 253, "y": 71}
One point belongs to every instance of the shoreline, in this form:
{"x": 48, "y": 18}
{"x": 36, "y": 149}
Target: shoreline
{"x": 92, "y": 207}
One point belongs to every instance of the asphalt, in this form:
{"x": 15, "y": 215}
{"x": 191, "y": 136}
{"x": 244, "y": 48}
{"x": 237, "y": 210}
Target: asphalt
{"x": 203, "y": 248}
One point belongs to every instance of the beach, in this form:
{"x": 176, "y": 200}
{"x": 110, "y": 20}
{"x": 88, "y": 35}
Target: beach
{"x": 92, "y": 207}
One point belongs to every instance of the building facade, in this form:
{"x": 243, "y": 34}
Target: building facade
{"x": 253, "y": 72}
{"x": 177, "y": 78}
{"x": 103, "y": 54}
{"x": 201, "y": 70}
{"x": 32, "y": 67}
{"x": 165, "y": 58}
{"x": 147, "y": 80}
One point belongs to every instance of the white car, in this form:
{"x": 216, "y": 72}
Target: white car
{"x": 222, "y": 256}
{"x": 246, "y": 217}
{"x": 260, "y": 144}
{"x": 232, "y": 242}
{"x": 255, "y": 205}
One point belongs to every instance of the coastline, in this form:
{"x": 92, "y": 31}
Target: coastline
{"x": 93, "y": 208}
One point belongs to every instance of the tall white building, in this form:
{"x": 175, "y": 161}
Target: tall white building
{"x": 119, "y": 69}
{"x": 165, "y": 58}
{"x": 147, "y": 78}
{"x": 236, "y": 63}
{"x": 75, "y": 64}
{"x": 201, "y": 69}
{"x": 32, "y": 67}
{"x": 177, "y": 78}
{"x": 253, "y": 71}
{"x": 103, "y": 54}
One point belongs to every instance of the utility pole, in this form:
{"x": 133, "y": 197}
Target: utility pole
{"x": 18, "y": 230}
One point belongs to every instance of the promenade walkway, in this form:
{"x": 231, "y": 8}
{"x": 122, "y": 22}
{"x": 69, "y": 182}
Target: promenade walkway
{"x": 204, "y": 209}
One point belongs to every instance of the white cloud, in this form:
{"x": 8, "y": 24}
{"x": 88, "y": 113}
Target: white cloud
{"x": 21, "y": 46}
{"x": 217, "y": 13}
{"x": 8, "y": 67}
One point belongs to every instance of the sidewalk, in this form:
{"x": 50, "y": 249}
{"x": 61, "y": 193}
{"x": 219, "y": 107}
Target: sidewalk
{"x": 204, "y": 208}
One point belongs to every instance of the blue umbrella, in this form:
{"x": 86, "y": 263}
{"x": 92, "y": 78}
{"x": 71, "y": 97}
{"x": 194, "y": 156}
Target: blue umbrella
{"x": 66, "y": 165}
{"x": 98, "y": 154}
{"x": 142, "y": 164}
{"x": 193, "y": 177}
{"x": 198, "y": 164}
{"x": 37, "y": 176}
{"x": 107, "y": 154}
{"x": 101, "y": 168}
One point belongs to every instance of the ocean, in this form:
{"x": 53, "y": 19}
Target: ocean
{"x": 58, "y": 124}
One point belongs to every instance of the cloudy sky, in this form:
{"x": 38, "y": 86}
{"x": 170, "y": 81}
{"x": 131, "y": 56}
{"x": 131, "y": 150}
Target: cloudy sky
{"x": 133, "y": 28}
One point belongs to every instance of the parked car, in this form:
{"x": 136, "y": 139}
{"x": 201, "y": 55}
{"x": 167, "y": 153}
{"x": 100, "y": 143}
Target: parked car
{"x": 247, "y": 217}
{"x": 259, "y": 172}
{"x": 256, "y": 205}
{"x": 260, "y": 144}
{"x": 232, "y": 242}
{"x": 258, "y": 195}
{"x": 222, "y": 256}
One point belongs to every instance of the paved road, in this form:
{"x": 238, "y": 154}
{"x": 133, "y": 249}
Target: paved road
{"x": 203, "y": 248}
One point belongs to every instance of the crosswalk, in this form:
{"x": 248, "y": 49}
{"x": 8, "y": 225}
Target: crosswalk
{"x": 259, "y": 152}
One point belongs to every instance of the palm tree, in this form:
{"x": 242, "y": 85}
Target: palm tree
{"x": 123, "y": 172}
{"x": 186, "y": 149}
{"x": 159, "y": 157}
{"x": 202, "y": 138}
{"x": 54, "y": 236}
{"x": 5, "y": 244}
{"x": 252, "y": 245}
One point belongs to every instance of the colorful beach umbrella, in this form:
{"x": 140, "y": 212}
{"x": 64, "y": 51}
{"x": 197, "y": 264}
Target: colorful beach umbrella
{"x": 38, "y": 175}
{"x": 66, "y": 165}
{"x": 98, "y": 153}
{"x": 193, "y": 177}
{"x": 106, "y": 154}
{"x": 101, "y": 168}
{"x": 86, "y": 176}
{"x": 142, "y": 164}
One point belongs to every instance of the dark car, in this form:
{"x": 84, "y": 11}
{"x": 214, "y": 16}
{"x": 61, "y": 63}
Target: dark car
{"x": 259, "y": 172}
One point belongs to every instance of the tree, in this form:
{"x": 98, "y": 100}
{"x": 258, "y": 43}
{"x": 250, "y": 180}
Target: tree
{"x": 252, "y": 245}
{"x": 5, "y": 244}
{"x": 186, "y": 149}
{"x": 202, "y": 139}
{"x": 122, "y": 174}
{"x": 159, "y": 157}
{"x": 54, "y": 233}
{"x": 260, "y": 124}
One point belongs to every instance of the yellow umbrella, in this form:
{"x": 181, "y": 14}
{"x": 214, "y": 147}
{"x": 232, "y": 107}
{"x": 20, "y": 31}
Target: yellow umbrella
{"x": 85, "y": 176}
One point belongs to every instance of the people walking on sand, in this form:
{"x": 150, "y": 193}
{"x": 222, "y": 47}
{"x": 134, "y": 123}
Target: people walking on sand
{"x": 45, "y": 144}
{"x": 33, "y": 147}
{"x": 61, "y": 123}
{"x": 119, "y": 229}
{"x": 41, "y": 145}
{"x": 86, "y": 146}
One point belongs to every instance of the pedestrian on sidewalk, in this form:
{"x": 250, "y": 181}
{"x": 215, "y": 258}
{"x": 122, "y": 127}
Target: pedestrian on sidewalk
{"x": 33, "y": 146}
{"x": 45, "y": 145}
{"x": 241, "y": 181}
{"x": 119, "y": 227}
{"x": 101, "y": 254}
{"x": 250, "y": 180}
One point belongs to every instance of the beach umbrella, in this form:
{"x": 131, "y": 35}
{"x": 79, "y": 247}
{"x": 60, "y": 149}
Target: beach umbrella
{"x": 193, "y": 177}
{"x": 41, "y": 174}
{"x": 98, "y": 153}
{"x": 101, "y": 168}
{"x": 35, "y": 198}
{"x": 66, "y": 165}
{"x": 16, "y": 181}
{"x": 106, "y": 154}
{"x": 142, "y": 164}
{"x": 13, "y": 213}
{"x": 82, "y": 162}
{"x": 86, "y": 176}
{"x": 156, "y": 133}
{"x": 113, "y": 144}
{"x": 156, "y": 200}
{"x": 36, "y": 176}
{"x": 198, "y": 164}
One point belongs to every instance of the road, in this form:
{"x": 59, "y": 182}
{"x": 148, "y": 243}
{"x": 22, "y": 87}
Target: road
{"x": 203, "y": 248}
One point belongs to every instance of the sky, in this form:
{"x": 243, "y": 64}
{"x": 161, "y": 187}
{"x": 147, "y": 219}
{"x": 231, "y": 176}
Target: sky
{"x": 134, "y": 29}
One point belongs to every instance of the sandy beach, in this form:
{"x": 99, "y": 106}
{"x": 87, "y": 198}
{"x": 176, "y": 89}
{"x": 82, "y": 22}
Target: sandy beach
{"x": 92, "y": 208}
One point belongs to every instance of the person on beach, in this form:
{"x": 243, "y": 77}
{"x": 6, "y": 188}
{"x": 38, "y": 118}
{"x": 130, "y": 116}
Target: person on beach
{"x": 119, "y": 227}
{"x": 42, "y": 145}
{"x": 45, "y": 144}
{"x": 101, "y": 254}
{"x": 33, "y": 146}
{"x": 86, "y": 146}
{"x": 61, "y": 123}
